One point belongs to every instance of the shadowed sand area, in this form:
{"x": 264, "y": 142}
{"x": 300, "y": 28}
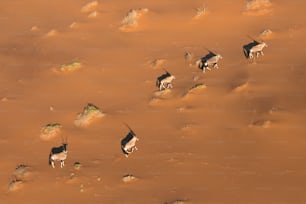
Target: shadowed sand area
{"x": 235, "y": 134}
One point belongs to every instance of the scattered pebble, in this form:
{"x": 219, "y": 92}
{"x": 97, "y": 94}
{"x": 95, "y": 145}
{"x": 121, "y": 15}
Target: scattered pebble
{"x": 77, "y": 165}
{"x": 52, "y": 33}
{"x": 128, "y": 178}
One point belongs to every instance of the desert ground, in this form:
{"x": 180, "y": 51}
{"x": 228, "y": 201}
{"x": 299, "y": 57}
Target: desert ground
{"x": 234, "y": 135}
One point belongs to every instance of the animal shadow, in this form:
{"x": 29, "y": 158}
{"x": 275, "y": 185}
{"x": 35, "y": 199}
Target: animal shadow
{"x": 248, "y": 47}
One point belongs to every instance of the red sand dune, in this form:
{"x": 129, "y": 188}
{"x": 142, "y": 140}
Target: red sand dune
{"x": 239, "y": 140}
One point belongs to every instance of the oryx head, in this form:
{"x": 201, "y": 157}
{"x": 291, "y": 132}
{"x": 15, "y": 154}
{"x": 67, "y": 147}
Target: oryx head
{"x": 219, "y": 56}
{"x": 265, "y": 44}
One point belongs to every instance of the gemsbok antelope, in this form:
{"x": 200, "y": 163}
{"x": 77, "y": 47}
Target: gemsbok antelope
{"x": 128, "y": 144}
{"x": 165, "y": 81}
{"x": 254, "y": 48}
{"x": 210, "y": 60}
{"x": 257, "y": 49}
{"x": 59, "y": 154}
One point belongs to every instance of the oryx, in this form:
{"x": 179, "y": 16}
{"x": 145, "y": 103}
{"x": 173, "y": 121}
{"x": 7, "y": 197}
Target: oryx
{"x": 59, "y": 153}
{"x": 209, "y": 60}
{"x": 254, "y": 48}
{"x": 165, "y": 81}
{"x": 128, "y": 144}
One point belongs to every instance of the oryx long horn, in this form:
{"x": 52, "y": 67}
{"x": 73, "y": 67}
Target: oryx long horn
{"x": 166, "y": 71}
{"x": 210, "y": 51}
{"x": 253, "y": 39}
{"x": 64, "y": 139}
{"x": 129, "y": 128}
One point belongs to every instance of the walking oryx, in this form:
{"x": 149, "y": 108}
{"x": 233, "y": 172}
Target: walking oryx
{"x": 257, "y": 49}
{"x": 254, "y": 48}
{"x": 128, "y": 144}
{"x": 210, "y": 60}
{"x": 165, "y": 81}
{"x": 59, "y": 154}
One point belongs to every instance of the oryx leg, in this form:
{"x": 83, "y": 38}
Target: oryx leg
{"x": 161, "y": 86}
{"x": 52, "y": 163}
{"x": 62, "y": 163}
{"x": 216, "y": 66}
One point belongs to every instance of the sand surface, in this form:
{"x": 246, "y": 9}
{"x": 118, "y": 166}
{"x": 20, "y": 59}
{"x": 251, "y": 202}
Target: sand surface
{"x": 238, "y": 139}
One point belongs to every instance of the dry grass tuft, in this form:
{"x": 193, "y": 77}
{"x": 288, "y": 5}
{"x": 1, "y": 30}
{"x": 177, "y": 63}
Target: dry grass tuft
{"x": 89, "y": 7}
{"x": 257, "y": 7}
{"x": 50, "y": 131}
{"x": 89, "y": 114}
{"x": 132, "y": 17}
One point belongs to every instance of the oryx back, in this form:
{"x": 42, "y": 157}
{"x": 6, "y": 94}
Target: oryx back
{"x": 128, "y": 144}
